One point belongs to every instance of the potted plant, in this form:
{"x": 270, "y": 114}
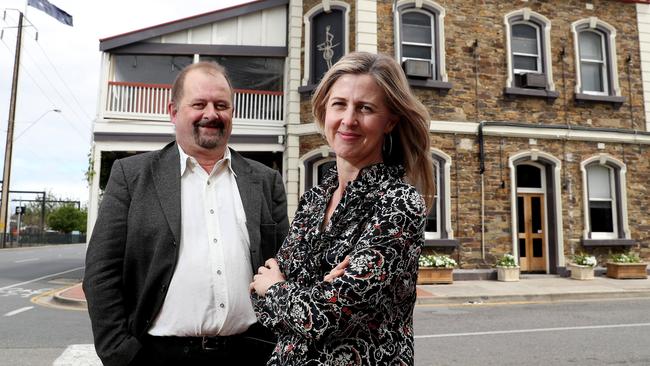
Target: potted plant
{"x": 582, "y": 267}
{"x": 626, "y": 266}
{"x": 436, "y": 268}
{"x": 507, "y": 268}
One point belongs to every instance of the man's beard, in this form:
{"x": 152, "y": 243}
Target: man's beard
{"x": 211, "y": 141}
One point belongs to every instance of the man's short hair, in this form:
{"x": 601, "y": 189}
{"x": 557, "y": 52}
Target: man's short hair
{"x": 209, "y": 67}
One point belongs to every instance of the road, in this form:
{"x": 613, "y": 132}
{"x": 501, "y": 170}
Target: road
{"x": 32, "y": 334}
{"x": 605, "y": 332}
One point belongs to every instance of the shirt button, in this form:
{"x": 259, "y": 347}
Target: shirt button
{"x": 222, "y": 305}
{"x": 214, "y": 240}
{"x": 218, "y": 271}
{"x": 208, "y": 182}
{"x": 211, "y": 211}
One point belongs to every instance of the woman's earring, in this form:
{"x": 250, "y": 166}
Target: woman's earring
{"x": 387, "y": 147}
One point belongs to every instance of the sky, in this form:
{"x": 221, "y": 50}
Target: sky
{"x": 59, "y": 69}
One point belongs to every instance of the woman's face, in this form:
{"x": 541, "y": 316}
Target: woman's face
{"x": 356, "y": 120}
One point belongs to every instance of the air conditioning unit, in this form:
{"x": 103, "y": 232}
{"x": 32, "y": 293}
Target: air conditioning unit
{"x": 417, "y": 68}
{"x": 533, "y": 80}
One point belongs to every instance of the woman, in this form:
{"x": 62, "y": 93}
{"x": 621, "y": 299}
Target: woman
{"x": 342, "y": 290}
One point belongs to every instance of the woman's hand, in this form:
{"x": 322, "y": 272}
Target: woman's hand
{"x": 337, "y": 271}
{"x": 266, "y": 277}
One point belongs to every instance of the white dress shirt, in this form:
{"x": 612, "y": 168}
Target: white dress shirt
{"x": 208, "y": 293}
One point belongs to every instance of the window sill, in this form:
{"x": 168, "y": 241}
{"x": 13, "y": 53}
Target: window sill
{"x": 600, "y": 98}
{"x": 607, "y": 242}
{"x": 550, "y": 94}
{"x": 430, "y": 84}
{"x": 441, "y": 243}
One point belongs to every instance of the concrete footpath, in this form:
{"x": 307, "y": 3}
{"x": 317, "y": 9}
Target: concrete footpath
{"x": 530, "y": 288}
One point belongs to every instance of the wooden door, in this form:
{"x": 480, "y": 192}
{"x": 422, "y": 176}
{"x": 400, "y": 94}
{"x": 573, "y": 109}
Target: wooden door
{"x": 530, "y": 217}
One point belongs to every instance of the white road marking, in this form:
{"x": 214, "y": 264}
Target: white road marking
{"x": 536, "y": 330}
{"x": 41, "y": 278}
{"x": 18, "y": 311}
{"x": 78, "y": 355}
{"x": 27, "y": 260}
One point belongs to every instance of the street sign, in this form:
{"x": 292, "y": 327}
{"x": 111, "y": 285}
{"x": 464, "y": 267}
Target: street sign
{"x": 21, "y": 210}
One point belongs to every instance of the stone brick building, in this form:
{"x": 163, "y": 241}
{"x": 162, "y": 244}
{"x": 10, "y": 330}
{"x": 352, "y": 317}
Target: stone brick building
{"x": 540, "y": 127}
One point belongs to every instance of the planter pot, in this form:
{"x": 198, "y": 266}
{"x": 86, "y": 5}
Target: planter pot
{"x": 627, "y": 270}
{"x": 508, "y": 274}
{"x": 432, "y": 275}
{"x": 579, "y": 272}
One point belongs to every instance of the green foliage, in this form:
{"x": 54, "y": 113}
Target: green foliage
{"x": 67, "y": 219}
{"x": 438, "y": 261}
{"x": 625, "y": 258}
{"x": 508, "y": 260}
{"x": 585, "y": 260}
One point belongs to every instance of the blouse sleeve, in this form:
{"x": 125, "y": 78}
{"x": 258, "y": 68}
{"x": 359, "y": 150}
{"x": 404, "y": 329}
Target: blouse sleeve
{"x": 382, "y": 272}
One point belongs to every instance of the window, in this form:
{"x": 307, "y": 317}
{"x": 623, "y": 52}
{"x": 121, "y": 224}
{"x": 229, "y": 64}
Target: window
{"x": 326, "y": 40}
{"x": 602, "y": 209}
{"x": 526, "y": 51}
{"x": 432, "y": 226}
{"x": 605, "y": 213}
{"x": 593, "y": 65}
{"x": 595, "y": 55}
{"x": 438, "y": 231}
{"x": 419, "y": 40}
{"x": 530, "y": 72}
{"x": 314, "y": 167}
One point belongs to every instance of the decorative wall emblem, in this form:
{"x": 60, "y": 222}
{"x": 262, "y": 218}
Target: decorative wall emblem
{"x": 327, "y": 47}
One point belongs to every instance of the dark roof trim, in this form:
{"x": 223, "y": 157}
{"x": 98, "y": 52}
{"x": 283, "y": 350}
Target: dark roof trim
{"x": 186, "y": 23}
{"x": 143, "y": 48}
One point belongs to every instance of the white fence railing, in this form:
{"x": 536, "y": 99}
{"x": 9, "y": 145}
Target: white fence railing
{"x": 140, "y": 100}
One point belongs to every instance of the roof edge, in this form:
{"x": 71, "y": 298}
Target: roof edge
{"x": 108, "y": 43}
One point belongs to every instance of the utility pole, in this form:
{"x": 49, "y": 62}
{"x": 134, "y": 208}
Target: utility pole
{"x": 6, "y": 174}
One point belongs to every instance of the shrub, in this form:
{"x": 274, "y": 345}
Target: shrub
{"x": 437, "y": 261}
{"x": 508, "y": 260}
{"x": 584, "y": 260}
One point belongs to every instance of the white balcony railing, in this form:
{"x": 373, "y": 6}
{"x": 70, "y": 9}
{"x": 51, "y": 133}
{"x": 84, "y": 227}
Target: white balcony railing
{"x": 149, "y": 101}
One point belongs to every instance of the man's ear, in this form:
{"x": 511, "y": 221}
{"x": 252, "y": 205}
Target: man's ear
{"x": 172, "y": 110}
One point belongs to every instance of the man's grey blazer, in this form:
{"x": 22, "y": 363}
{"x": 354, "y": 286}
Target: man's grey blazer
{"x": 134, "y": 245}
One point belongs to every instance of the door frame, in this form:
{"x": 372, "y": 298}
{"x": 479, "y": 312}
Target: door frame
{"x": 553, "y": 206}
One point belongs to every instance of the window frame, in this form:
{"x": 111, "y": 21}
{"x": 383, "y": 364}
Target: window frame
{"x": 439, "y": 78}
{"x": 612, "y": 200}
{"x": 543, "y": 25}
{"x": 432, "y": 235}
{"x": 617, "y": 170}
{"x": 308, "y": 82}
{"x": 608, "y": 35}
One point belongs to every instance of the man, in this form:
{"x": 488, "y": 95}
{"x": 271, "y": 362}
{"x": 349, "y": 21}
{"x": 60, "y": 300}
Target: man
{"x": 177, "y": 237}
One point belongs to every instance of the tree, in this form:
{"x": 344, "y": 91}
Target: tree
{"x": 67, "y": 218}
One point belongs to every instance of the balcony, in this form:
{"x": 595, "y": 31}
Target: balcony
{"x": 142, "y": 101}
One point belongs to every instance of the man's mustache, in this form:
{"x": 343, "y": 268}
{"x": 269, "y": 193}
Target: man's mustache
{"x": 213, "y": 124}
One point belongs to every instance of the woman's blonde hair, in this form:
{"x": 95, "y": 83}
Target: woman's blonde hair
{"x": 410, "y": 136}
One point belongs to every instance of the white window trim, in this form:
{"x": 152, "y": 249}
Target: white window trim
{"x": 446, "y": 166}
{"x": 428, "y": 235}
{"x": 594, "y": 23}
{"x": 325, "y": 6}
{"x": 438, "y": 55}
{"x": 538, "y": 56}
{"x": 324, "y": 152}
{"x": 602, "y": 63}
{"x": 533, "y": 155}
{"x": 608, "y": 161}
{"x": 545, "y": 52}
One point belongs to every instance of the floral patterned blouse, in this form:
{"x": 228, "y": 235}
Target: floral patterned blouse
{"x": 364, "y": 317}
